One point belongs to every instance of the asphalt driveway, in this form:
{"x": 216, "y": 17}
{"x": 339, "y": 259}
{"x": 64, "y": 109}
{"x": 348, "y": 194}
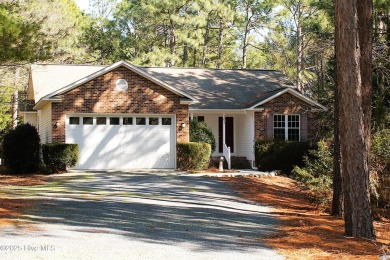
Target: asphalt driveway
{"x": 137, "y": 215}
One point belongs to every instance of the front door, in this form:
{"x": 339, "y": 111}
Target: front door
{"x": 229, "y": 132}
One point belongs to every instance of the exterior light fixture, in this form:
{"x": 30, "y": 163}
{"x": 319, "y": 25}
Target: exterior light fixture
{"x": 183, "y": 125}
{"x": 57, "y": 124}
{"x": 121, "y": 85}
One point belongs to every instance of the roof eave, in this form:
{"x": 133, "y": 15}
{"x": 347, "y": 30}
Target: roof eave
{"x": 186, "y": 101}
{"x": 257, "y": 109}
{"x": 293, "y": 92}
{"x": 43, "y": 102}
{"x": 216, "y": 110}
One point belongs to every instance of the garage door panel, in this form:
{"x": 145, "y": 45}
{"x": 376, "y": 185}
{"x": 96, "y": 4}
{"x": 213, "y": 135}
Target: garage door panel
{"x": 123, "y": 146}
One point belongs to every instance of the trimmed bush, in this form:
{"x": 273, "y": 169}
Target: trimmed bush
{"x": 280, "y": 155}
{"x": 58, "y": 157}
{"x": 200, "y": 132}
{"x": 21, "y": 149}
{"x": 193, "y": 156}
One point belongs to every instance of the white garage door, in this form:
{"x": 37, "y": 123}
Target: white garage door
{"x": 122, "y": 142}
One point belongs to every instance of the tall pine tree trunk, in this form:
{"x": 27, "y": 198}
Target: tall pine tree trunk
{"x": 15, "y": 98}
{"x": 244, "y": 50}
{"x": 246, "y": 35}
{"x": 220, "y": 43}
{"x": 206, "y": 42}
{"x": 300, "y": 65}
{"x": 185, "y": 55}
{"x": 353, "y": 20}
{"x": 194, "y": 58}
{"x": 337, "y": 200}
{"x": 364, "y": 9}
{"x": 172, "y": 43}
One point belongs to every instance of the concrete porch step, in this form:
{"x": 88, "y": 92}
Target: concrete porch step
{"x": 238, "y": 162}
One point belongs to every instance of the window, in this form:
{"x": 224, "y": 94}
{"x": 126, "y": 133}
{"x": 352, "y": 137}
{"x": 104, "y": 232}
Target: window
{"x": 101, "y": 121}
{"x": 153, "y": 120}
{"x": 286, "y": 127}
{"x": 127, "y": 121}
{"x": 200, "y": 118}
{"x": 140, "y": 121}
{"x": 87, "y": 120}
{"x": 74, "y": 120}
{"x": 293, "y": 127}
{"x": 279, "y": 127}
{"x": 166, "y": 121}
{"x": 114, "y": 120}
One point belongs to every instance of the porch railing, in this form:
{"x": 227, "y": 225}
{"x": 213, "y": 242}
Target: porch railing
{"x": 226, "y": 154}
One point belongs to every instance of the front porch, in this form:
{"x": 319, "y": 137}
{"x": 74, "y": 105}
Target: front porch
{"x": 233, "y": 130}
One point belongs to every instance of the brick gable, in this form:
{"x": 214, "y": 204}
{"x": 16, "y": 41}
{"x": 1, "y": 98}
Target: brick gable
{"x": 284, "y": 104}
{"x": 100, "y": 96}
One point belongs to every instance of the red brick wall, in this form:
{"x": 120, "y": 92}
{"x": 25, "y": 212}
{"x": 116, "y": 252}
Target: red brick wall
{"x": 285, "y": 104}
{"x": 100, "y": 96}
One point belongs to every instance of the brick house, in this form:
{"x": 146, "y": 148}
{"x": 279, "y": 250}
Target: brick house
{"x": 124, "y": 117}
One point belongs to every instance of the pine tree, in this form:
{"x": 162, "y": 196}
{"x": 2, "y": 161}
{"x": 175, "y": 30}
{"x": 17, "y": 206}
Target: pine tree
{"x": 353, "y": 56}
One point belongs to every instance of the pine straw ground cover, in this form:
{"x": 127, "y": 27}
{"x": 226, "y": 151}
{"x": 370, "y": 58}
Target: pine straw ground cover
{"x": 306, "y": 232}
{"x": 11, "y": 208}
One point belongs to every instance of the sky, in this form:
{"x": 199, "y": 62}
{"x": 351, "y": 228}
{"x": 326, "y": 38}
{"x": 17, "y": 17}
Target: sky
{"x": 83, "y": 4}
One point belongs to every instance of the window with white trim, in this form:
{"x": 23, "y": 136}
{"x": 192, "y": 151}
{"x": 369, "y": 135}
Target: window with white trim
{"x": 166, "y": 121}
{"x": 74, "y": 120}
{"x": 286, "y": 127}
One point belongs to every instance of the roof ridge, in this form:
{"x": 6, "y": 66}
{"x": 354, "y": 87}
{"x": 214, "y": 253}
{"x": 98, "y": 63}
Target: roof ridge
{"x": 70, "y": 65}
{"x": 156, "y": 67}
{"x": 218, "y": 69}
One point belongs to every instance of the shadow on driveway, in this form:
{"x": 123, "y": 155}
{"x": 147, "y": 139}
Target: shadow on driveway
{"x": 155, "y": 208}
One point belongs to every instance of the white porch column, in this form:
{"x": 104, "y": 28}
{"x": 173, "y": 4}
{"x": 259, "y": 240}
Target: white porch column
{"x": 223, "y": 129}
{"x": 226, "y": 150}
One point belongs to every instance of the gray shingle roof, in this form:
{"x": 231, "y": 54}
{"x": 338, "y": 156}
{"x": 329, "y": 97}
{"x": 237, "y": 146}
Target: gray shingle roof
{"x": 213, "y": 88}
{"x": 47, "y": 78}
{"x": 223, "y": 88}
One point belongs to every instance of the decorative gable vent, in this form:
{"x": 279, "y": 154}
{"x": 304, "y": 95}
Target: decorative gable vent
{"x": 121, "y": 85}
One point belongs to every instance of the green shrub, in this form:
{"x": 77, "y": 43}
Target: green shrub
{"x": 21, "y": 149}
{"x": 380, "y": 168}
{"x": 200, "y": 132}
{"x": 57, "y": 157}
{"x": 380, "y": 145}
{"x": 279, "y": 155}
{"x": 193, "y": 156}
{"x": 318, "y": 172}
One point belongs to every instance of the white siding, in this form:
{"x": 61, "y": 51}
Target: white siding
{"x": 212, "y": 121}
{"x": 44, "y": 118}
{"x": 244, "y": 127}
{"x": 243, "y": 132}
{"x": 30, "y": 118}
